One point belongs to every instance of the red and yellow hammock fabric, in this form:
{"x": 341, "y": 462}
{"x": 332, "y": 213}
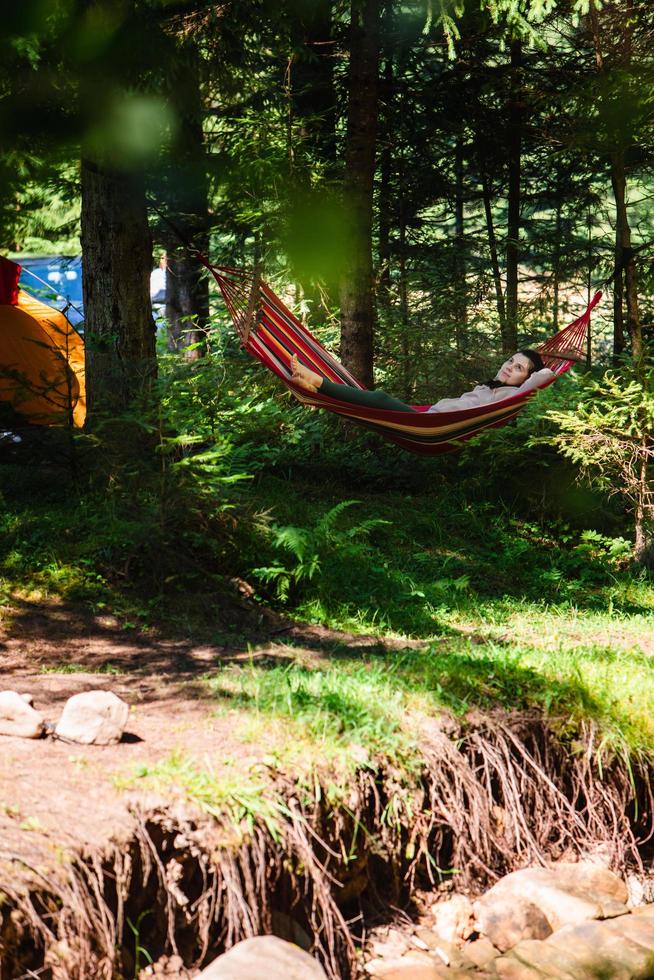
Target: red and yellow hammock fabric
{"x": 272, "y": 334}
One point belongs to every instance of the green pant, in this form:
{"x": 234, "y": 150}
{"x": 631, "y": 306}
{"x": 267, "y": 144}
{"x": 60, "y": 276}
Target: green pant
{"x": 372, "y": 399}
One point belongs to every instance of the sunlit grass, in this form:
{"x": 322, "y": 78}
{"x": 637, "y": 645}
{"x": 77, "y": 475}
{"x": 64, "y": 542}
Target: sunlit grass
{"x": 350, "y": 711}
{"x": 347, "y": 708}
{"x": 225, "y": 790}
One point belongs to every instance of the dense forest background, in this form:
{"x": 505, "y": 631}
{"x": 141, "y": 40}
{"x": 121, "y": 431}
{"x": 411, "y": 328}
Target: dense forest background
{"x": 429, "y": 185}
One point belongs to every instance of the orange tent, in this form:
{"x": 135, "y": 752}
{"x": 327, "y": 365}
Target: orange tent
{"x": 41, "y": 357}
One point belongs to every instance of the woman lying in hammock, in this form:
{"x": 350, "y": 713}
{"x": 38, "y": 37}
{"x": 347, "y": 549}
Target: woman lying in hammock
{"x": 522, "y": 372}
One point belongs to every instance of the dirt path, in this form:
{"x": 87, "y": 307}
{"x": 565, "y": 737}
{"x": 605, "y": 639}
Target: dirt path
{"x": 55, "y": 795}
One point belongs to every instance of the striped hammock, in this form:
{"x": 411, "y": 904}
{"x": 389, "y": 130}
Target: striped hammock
{"x": 271, "y": 333}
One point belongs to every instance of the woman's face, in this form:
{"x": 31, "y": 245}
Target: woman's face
{"x": 515, "y": 370}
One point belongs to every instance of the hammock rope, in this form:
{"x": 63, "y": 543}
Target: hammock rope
{"x": 272, "y": 334}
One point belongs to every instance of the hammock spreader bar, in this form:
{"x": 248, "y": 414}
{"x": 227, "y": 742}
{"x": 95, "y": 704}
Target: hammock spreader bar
{"x": 272, "y": 334}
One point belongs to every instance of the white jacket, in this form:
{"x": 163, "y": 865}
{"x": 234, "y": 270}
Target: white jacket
{"x": 483, "y": 395}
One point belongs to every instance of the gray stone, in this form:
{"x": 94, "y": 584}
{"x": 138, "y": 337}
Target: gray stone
{"x": 413, "y": 966}
{"x": 646, "y": 910}
{"x": 598, "y": 951}
{"x": 636, "y": 931}
{"x": 505, "y": 921}
{"x": 453, "y": 918}
{"x": 480, "y": 952}
{"x": 444, "y": 952}
{"x": 264, "y": 958}
{"x": 605, "y": 887}
{"x": 533, "y": 957}
{"x": 619, "y": 949}
{"x": 18, "y": 717}
{"x": 93, "y": 718}
{"x": 565, "y": 894}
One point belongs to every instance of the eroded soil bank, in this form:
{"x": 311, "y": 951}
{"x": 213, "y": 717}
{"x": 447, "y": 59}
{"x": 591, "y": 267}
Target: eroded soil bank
{"x": 97, "y": 879}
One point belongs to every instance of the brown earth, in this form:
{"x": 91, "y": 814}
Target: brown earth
{"x": 58, "y": 796}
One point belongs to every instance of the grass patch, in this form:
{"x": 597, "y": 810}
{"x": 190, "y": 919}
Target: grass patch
{"x": 232, "y": 794}
{"x": 69, "y": 668}
{"x": 348, "y": 712}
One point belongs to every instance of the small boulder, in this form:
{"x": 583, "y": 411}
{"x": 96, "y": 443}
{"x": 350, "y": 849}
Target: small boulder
{"x": 413, "y": 966}
{"x": 453, "y": 918}
{"x": 264, "y": 956}
{"x": 506, "y": 922}
{"x": 480, "y": 952}
{"x": 18, "y": 717}
{"x": 563, "y": 894}
{"x": 93, "y": 718}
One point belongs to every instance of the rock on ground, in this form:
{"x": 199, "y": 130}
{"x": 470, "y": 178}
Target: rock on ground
{"x": 18, "y": 717}
{"x": 264, "y": 958}
{"x": 533, "y": 902}
{"x": 93, "y": 718}
{"x": 621, "y": 948}
{"x": 453, "y": 918}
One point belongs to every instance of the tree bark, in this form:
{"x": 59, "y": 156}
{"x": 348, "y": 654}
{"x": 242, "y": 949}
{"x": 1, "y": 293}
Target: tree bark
{"x": 385, "y": 161}
{"x": 357, "y": 284}
{"x": 460, "y": 305}
{"x": 510, "y": 333}
{"x": 625, "y": 269}
{"x": 642, "y": 537}
{"x": 186, "y": 192}
{"x": 119, "y": 329}
{"x": 556, "y": 262}
{"x": 492, "y": 248}
{"x": 312, "y": 80}
{"x": 187, "y": 302}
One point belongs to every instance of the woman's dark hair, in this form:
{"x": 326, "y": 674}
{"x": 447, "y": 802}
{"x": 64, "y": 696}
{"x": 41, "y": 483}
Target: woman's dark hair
{"x": 535, "y": 358}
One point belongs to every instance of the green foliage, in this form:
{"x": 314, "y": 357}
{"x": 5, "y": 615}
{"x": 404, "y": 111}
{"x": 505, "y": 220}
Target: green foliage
{"x": 341, "y": 709}
{"x": 608, "y": 435}
{"x": 240, "y": 797}
{"x": 313, "y": 550}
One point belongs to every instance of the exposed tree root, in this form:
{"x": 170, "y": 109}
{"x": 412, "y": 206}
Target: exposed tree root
{"x": 495, "y": 794}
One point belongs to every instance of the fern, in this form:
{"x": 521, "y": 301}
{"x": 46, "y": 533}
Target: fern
{"x": 308, "y": 550}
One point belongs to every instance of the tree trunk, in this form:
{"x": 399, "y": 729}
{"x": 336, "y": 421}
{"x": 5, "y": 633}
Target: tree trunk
{"x": 187, "y": 303}
{"x": 589, "y": 285}
{"x": 119, "y": 329}
{"x": 186, "y": 192}
{"x": 460, "y": 304}
{"x": 385, "y": 160}
{"x": 311, "y": 130}
{"x": 357, "y": 284}
{"x": 643, "y": 509}
{"x": 408, "y": 374}
{"x": 510, "y": 333}
{"x": 625, "y": 270}
{"x": 492, "y": 248}
{"x": 556, "y": 262}
{"x": 312, "y": 80}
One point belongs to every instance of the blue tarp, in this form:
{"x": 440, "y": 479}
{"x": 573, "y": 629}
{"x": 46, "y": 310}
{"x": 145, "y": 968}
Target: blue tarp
{"x": 61, "y": 283}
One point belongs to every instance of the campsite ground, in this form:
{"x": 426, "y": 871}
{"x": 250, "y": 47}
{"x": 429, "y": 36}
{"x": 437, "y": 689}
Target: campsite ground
{"x": 58, "y": 795}
{"x": 54, "y": 794}
{"x": 376, "y": 638}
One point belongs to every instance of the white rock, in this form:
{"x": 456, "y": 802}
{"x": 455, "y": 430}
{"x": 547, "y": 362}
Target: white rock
{"x": 453, "y": 918}
{"x": 563, "y": 894}
{"x": 264, "y": 958}
{"x": 18, "y": 717}
{"x": 93, "y": 717}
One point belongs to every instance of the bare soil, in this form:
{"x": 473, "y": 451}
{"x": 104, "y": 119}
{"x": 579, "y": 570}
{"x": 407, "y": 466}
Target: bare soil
{"x": 56, "y": 796}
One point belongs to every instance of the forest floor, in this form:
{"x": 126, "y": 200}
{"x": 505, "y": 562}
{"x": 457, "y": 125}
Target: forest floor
{"x": 417, "y": 648}
{"x": 54, "y": 794}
